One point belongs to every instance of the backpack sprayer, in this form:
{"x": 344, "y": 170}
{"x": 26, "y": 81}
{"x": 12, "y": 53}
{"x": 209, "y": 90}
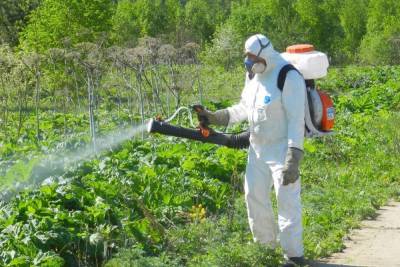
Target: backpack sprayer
{"x": 202, "y": 132}
{"x": 319, "y": 111}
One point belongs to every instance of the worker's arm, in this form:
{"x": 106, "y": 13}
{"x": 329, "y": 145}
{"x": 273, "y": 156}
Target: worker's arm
{"x": 237, "y": 113}
{"x": 293, "y": 99}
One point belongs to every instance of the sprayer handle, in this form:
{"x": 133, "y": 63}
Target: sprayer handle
{"x": 201, "y": 115}
{"x": 198, "y": 108}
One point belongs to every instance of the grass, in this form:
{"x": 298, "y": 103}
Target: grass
{"x": 169, "y": 202}
{"x": 344, "y": 182}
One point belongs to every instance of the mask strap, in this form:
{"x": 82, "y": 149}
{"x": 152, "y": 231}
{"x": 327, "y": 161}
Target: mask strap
{"x": 262, "y": 46}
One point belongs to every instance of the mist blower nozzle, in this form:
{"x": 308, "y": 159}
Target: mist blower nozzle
{"x": 237, "y": 141}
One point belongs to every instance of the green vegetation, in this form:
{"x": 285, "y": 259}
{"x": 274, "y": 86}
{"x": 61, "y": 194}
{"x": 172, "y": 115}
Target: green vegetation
{"x": 170, "y": 202}
{"x": 350, "y": 31}
{"x": 73, "y": 71}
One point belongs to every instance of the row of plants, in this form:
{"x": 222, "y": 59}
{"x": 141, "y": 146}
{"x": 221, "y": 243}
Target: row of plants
{"x": 170, "y": 202}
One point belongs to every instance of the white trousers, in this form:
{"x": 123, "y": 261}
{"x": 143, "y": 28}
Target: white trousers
{"x": 263, "y": 172}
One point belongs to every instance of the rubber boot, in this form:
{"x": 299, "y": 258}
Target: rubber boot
{"x": 295, "y": 262}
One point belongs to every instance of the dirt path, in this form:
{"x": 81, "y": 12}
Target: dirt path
{"x": 376, "y": 244}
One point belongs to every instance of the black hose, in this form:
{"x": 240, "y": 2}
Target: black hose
{"x": 237, "y": 141}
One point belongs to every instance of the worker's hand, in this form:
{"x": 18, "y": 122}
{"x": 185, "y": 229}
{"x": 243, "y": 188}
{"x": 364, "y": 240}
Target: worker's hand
{"x": 201, "y": 110}
{"x": 292, "y": 163}
{"x": 220, "y": 117}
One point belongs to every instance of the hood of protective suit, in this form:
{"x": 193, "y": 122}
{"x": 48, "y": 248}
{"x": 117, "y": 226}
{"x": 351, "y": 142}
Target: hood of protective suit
{"x": 261, "y": 46}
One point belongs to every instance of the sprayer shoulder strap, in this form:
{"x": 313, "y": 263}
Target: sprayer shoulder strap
{"x": 283, "y": 73}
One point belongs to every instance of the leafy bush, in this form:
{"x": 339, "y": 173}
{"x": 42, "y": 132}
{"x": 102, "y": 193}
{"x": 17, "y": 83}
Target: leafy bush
{"x": 171, "y": 202}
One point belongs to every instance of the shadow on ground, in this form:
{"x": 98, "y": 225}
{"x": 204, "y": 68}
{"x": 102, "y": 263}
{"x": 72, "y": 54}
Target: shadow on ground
{"x": 323, "y": 264}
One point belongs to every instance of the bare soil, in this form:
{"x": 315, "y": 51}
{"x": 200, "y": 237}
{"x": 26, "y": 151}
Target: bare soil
{"x": 376, "y": 243}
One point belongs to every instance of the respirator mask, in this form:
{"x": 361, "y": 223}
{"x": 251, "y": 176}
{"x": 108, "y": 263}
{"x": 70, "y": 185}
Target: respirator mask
{"x": 253, "y": 67}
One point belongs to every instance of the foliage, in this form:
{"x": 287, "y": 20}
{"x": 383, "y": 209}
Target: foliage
{"x": 353, "y": 19}
{"x": 161, "y": 201}
{"x": 381, "y": 44}
{"x": 55, "y": 21}
{"x": 135, "y": 19}
{"x": 103, "y": 186}
{"x": 320, "y": 22}
{"x": 349, "y": 31}
{"x": 225, "y": 48}
{"x": 13, "y": 18}
{"x": 170, "y": 202}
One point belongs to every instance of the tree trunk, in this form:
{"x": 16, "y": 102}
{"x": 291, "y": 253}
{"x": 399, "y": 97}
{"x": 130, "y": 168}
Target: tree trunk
{"x": 91, "y": 107}
{"x": 141, "y": 99}
{"x": 157, "y": 92}
{"x": 6, "y": 108}
{"x": 77, "y": 92}
{"x": 23, "y": 103}
{"x": 19, "y": 114}
{"x": 200, "y": 86}
{"x": 37, "y": 103}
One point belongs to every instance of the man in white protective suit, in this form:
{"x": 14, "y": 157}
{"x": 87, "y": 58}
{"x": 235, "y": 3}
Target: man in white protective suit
{"x": 276, "y": 120}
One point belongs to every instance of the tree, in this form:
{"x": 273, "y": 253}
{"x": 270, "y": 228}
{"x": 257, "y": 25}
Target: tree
{"x": 134, "y": 19}
{"x": 353, "y": 19}
{"x": 225, "y": 49}
{"x": 202, "y": 18}
{"x": 320, "y": 24}
{"x": 55, "y": 20}
{"x": 13, "y": 16}
{"x": 33, "y": 62}
{"x": 7, "y": 62}
{"x": 277, "y": 19}
{"x": 249, "y": 18}
{"x": 283, "y": 27}
{"x": 91, "y": 56}
{"x": 381, "y": 44}
{"x": 125, "y": 25}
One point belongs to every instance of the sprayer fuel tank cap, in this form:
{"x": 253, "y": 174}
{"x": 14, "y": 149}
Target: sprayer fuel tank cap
{"x": 300, "y": 48}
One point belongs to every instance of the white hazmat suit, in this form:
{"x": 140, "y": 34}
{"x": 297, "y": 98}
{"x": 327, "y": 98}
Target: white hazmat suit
{"x": 276, "y": 120}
